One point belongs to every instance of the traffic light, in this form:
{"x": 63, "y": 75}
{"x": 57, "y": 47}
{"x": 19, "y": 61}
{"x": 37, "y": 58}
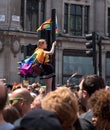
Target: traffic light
{"x": 91, "y": 44}
{"x": 91, "y": 49}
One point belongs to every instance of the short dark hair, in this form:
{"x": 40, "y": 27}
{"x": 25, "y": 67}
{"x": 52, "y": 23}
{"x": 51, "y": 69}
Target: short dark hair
{"x": 92, "y": 83}
{"x": 3, "y": 95}
{"x": 10, "y": 114}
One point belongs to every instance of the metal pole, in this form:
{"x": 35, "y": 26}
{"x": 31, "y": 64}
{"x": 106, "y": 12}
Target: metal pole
{"x": 100, "y": 56}
{"x": 94, "y": 52}
{"x": 53, "y": 17}
{"x": 25, "y": 5}
{"x": 53, "y": 24}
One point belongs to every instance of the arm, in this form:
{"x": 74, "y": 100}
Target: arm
{"x": 52, "y": 49}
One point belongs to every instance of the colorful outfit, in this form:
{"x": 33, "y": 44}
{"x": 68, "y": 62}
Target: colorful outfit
{"x": 37, "y": 65}
{"x": 43, "y": 59}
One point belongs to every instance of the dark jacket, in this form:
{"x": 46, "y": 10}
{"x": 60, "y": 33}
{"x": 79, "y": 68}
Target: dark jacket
{"x": 86, "y": 120}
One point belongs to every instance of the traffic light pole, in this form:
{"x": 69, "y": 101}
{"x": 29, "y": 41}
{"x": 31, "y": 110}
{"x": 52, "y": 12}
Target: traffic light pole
{"x": 53, "y": 17}
{"x": 100, "y": 56}
{"x": 93, "y": 40}
{"x": 94, "y": 52}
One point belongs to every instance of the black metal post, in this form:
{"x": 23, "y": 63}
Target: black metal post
{"x": 53, "y": 18}
{"x": 94, "y": 52}
{"x": 100, "y": 56}
{"x": 25, "y": 5}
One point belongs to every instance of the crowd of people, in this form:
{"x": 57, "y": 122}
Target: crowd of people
{"x": 37, "y": 107}
{"x": 87, "y": 108}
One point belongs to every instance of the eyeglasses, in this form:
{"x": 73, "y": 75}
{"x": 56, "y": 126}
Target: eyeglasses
{"x": 17, "y": 98}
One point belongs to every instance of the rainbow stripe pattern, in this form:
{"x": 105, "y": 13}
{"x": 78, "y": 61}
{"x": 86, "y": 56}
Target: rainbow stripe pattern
{"x": 47, "y": 26}
{"x": 26, "y": 65}
{"x": 56, "y": 27}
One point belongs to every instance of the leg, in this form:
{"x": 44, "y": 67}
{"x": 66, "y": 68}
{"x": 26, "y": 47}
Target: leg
{"x": 48, "y": 83}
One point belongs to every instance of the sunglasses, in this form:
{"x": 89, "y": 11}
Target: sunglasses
{"x": 17, "y": 98}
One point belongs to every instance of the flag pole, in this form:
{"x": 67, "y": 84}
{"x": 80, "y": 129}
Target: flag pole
{"x": 53, "y": 17}
{"x": 53, "y": 36}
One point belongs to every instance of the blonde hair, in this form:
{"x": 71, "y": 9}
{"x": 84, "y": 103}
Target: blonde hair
{"x": 64, "y": 104}
{"x": 41, "y": 42}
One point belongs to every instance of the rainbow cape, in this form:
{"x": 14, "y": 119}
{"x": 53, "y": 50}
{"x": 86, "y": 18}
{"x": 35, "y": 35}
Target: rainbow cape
{"x": 26, "y": 65}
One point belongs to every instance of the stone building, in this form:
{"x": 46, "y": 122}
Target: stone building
{"x": 19, "y": 20}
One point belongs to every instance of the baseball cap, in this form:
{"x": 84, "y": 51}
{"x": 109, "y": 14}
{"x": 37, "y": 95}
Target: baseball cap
{"x": 41, "y": 120}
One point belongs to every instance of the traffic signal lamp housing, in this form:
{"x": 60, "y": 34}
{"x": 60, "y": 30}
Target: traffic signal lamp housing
{"x": 91, "y": 49}
{"x": 90, "y": 45}
{"x": 89, "y": 36}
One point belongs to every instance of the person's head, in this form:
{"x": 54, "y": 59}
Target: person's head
{"x": 99, "y": 102}
{"x": 39, "y": 119}
{"x": 42, "y": 44}
{"x": 21, "y": 99}
{"x": 64, "y": 104}
{"x": 10, "y": 114}
{"x": 3, "y": 95}
{"x": 88, "y": 85}
{"x": 36, "y": 102}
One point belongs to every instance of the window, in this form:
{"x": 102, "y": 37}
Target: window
{"x": 32, "y": 16}
{"x": 42, "y": 16}
{"x": 108, "y": 68}
{"x": 86, "y": 20}
{"x": 30, "y": 12}
{"x": 73, "y": 19}
{"x": 22, "y": 14}
{"x": 76, "y": 20}
{"x": 76, "y": 61}
{"x": 109, "y": 22}
{"x": 66, "y": 18}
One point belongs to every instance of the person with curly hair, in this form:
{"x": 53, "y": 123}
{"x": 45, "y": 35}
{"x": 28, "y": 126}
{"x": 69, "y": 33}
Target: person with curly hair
{"x": 63, "y": 103}
{"x": 100, "y": 104}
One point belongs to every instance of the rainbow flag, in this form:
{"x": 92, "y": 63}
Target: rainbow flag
{"x": 47, "y": 26}
{"x": 56, "y": 27}
{"x": 26, "y": 65}
{"x": 17, "y": 85}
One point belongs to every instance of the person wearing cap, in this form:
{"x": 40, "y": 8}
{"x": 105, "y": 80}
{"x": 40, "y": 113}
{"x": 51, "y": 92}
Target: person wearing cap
{"x": 39, "y": 119}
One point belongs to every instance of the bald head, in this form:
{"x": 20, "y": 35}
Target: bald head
{"x": 21, "y": 99}
{"x": 22, "y": 93}
{"x": 3, "y": 95}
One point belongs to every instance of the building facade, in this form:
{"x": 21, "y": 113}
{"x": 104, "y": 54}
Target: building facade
{"x": 76, "y": 18}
